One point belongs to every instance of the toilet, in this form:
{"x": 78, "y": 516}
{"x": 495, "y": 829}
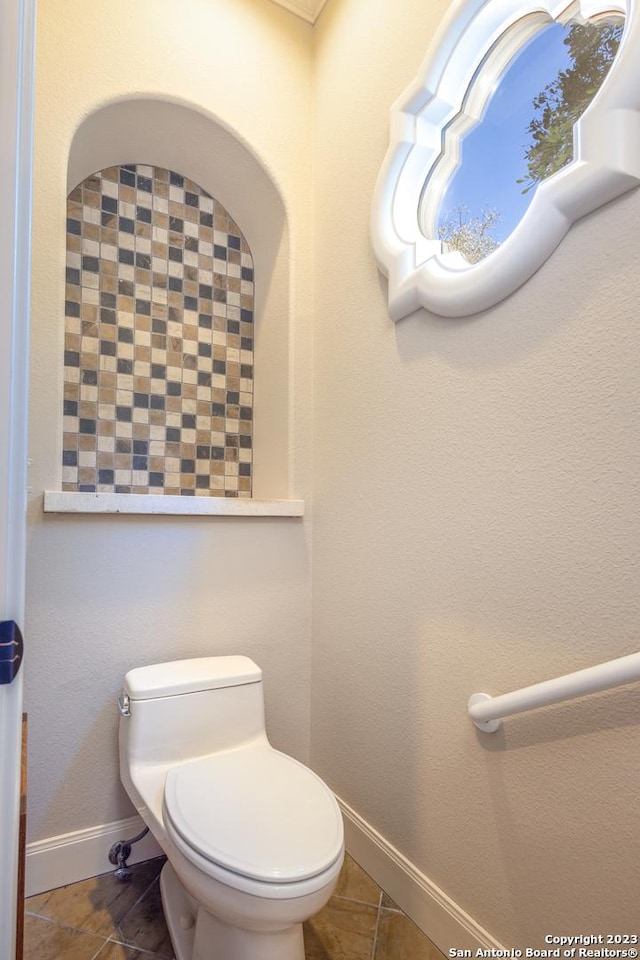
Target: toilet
{"x": 254, "y": 839}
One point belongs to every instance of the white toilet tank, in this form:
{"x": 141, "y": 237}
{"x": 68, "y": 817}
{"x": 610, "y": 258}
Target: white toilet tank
{"x": 183, "y": 709}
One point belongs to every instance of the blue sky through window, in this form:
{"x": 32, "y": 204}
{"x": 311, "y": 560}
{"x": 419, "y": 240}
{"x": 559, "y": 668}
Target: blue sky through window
{"x": 492, "y": 156}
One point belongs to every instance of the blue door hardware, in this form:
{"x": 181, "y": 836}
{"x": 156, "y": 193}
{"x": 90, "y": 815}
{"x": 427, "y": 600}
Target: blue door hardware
{"x": 11, "y": 650}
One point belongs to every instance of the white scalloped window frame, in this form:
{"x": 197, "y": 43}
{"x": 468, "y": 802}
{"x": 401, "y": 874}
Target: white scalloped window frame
{"x": 606, "y": 162}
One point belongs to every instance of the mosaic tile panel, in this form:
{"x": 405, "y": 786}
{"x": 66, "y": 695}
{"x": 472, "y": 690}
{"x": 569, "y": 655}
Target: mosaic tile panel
{"x": 158, "y": 356}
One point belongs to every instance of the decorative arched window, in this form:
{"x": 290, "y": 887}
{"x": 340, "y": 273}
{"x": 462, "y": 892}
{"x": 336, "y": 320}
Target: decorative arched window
{"x": 158, "y": 364}
{"x": 523, "y": 119}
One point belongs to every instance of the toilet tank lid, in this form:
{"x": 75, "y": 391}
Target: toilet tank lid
{"x": 189, "y": 676}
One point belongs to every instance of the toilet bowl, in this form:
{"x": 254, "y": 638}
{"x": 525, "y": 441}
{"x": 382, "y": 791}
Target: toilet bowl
{"x": 254, "y": 839}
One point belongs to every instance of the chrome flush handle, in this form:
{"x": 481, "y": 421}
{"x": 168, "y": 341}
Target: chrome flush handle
{"x": 124, "y": 705}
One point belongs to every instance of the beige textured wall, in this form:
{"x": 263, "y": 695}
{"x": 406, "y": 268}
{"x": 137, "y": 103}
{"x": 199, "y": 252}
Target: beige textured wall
{"x": 476, "y": 527}
{"x": 475, "y": 492}
{"x": 109, "y": 593}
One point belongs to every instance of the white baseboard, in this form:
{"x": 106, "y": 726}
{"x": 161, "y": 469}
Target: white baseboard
{"x": 71, "y": 857}
{"x": 442, "y": 920}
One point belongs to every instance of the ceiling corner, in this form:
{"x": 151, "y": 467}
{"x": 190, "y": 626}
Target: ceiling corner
{"x": 308, "y": 10}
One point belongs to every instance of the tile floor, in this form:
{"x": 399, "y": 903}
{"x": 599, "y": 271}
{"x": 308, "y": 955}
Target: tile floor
{"x": 103, "y": 919}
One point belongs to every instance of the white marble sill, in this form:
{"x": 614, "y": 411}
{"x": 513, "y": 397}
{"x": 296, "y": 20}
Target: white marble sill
{"x": 56, "y": 501}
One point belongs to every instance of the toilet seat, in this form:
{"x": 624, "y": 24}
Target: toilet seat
{"x": 255, "y": 812}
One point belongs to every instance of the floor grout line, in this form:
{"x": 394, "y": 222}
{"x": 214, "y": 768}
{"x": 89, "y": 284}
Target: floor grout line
{"x": 102, "y": 941}
{"x": 68, "y": 926}
{"x": 375, "y": 931}
{"x": 140, "y": 898}
{"x": 131, "y": 946}
{"x": 116, "y": 925}
{"x": 40, "y": 916}
{"x": 99, "y": 950}
{"x": 362, "y": 903}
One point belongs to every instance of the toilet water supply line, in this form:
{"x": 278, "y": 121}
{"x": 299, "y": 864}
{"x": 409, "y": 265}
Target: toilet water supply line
{"x": 487, "y": 712}
{"x": 120, "y": 853}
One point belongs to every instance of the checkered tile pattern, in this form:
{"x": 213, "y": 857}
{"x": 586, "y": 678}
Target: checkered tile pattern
{"x": 158, "y": 363}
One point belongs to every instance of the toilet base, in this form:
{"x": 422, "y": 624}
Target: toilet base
{"x": 197, "y": 935}
{"x": 179, "y": 911}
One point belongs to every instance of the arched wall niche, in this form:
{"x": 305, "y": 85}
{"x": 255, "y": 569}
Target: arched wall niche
{"x": 176, "y": 136}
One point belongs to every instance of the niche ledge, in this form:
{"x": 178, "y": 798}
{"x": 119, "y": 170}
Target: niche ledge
{"x": 56, "y": 501}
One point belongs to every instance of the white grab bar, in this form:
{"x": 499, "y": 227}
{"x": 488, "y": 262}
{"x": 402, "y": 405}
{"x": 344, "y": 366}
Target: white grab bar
{"x": 487, "y": 712}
